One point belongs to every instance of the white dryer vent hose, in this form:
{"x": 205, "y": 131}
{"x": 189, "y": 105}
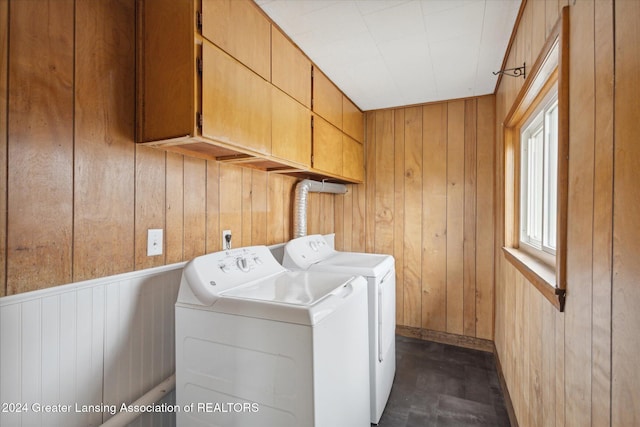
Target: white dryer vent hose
{"x": 301, "y": 200}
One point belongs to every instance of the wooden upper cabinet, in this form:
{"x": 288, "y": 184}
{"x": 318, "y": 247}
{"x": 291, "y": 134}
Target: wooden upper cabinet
{"x": 352, "y": 120}
{"x": 352, "y": 159}
{"x": 290, "y": 68}
{"x": 236, "y": 102}
{"x": 291, "y": 129}
{"x": 239, "y": 28}
{"x": 165, "y": 97}
{"x": 327, "y": 147}
{"x": 327, "y": 99}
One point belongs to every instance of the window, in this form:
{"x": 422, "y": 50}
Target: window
{"x": 539, "y": 180}
{"x": 536, "y": 135}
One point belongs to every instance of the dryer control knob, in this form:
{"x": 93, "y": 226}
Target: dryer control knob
{"x": 313, "y": 245}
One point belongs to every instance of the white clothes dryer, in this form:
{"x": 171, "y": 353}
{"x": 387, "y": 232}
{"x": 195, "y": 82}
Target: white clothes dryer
{"x": 313, "y": 253}
{"x": 258, "y": 345}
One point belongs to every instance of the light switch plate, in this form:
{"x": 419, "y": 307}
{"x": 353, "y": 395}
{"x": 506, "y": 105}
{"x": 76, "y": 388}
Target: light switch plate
{"x": 154, "y": 241}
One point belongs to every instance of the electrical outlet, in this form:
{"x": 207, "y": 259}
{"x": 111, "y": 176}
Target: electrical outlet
{"x": 154, "y": 241}
{"x": 226, "y": 240}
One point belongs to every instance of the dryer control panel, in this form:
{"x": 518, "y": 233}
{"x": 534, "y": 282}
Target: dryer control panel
{"x": 206, "y": 277}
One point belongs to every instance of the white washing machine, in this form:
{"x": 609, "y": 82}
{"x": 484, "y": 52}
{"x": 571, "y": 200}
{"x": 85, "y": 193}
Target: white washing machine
{"x": 313, "y": 253}
{"x": 258, "y": 345}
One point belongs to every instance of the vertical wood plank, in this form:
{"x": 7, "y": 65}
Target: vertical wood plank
{"x": 288, "y": 190}
{"x": 484, "y": 218}
{"x": 384, "y": 208}
{"x": 195, "y": 199}
{"x": 214, "y": 235}
{"x": 347, "y": 225}
{"x": 174, "y": 216}
{"x": 626, "y": 233}
{"x": 369, "y": 190}
{"x": 470, "y": 211}
{"x": 40, "y": 145}
{"x": 104, "y": 153}
{"x": 4, "y": 90}
{"x": 434, "y": 218}
{"x": 603, "y": 213}
{"x": 258, "y": 208}
{"x": 578, "y": 357}
{"x": 455, "y": 216}
{"x": 231, "y": 201}
{"x": 244, "y": 238}
{"x": 412, "y": 250}
{"x": 150, "y": 202}
{"x": 338, "y": 222}
{"x": 399, "y": 200}
{"x": 360, "y": 221}
{"x": 275, "y": 210}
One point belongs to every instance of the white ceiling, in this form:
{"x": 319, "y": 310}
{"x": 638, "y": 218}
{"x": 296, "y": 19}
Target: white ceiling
{"x": 389, "y": 53}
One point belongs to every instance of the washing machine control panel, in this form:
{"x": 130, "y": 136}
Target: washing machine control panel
{"x": 210, "y": 275}
{"x": 304, "y": 251}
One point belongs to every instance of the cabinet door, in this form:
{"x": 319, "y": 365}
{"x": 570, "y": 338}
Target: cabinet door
{"x": 327, "y": 147}
{"x": 327, "y": 99}
{"x": 236, "y": 102}
{"x": 352, "y": 120}
{"x": 352, "y": 159}
{"x": 291, "y": 129}
{"x": 165, "y": 70}
{"x": 290, "y": 69}
{"x": 239, "y": 28}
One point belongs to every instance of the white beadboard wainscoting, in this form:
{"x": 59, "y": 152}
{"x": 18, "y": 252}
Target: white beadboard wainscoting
{"x": 96, "y": 343}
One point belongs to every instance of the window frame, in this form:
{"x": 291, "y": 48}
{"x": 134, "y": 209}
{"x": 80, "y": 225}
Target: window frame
{"x": 551, "y": 69}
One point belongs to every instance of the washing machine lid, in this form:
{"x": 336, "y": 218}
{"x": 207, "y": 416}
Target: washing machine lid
{"x": 368, "y": 265}
{"x": 300, "y": 297}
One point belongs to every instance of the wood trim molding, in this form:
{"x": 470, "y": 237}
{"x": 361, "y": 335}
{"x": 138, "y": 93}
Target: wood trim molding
{"x": 446, "y": 338}
{"x": 511, "y": 412}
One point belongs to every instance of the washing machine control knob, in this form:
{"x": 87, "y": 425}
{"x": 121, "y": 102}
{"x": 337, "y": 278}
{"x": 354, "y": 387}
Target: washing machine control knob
{"x": 257, "y": 260}
{"x": 313, "y": 245}
{"x": 242, "y": 264}
{"x": 224, "y": 268}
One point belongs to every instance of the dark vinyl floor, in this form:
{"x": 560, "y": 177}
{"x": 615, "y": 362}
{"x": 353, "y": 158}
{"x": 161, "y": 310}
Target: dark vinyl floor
{"x": 443, "y": 385}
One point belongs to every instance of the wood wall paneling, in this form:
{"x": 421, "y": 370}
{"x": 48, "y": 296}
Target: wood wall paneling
{"x": 195, "y": 207}
{"x": 602, "y": 212}
{"x": 259, "y": 208}
{"x": 484, "y": 292}
{"x": 150, "y": 203}
{"x": 104, "y": 159}
{"x": 40, "y": 145}
{"x": 412, "y": 211}
{"x": 580, "y": 211}
{"x": 246, "y": 223}
{"x": 174, "y": 202}
{"x": 214, "y": 233}
{"x": 4, "y": 61}
{"x": 626, "y": 233}
{"x": 560, "y": 368}
{"x": 421, "y": 203}
{"x": 434, "y": 217}
{"x": 455, "y": 217}
{"x": 470, "y": 217}
{"x": 399, "y": 200}
{"x": 275, "y": 210}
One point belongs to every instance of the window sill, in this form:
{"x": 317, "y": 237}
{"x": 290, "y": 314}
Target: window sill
{"x": 542, "y": 276}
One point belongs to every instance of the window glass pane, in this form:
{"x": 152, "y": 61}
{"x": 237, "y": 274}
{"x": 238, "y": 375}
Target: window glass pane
{"x": 534, "y": 190}
{"x": 551, "y": 174}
